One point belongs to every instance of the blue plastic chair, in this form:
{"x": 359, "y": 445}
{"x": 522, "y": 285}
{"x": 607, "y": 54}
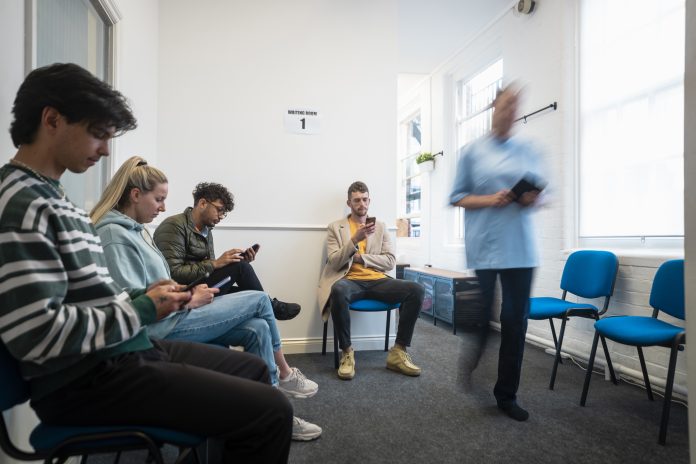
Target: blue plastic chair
{"x": 59, "y": 443}
{"x": 365, "y": 306}
{"x": 588, "y": 274}
{"x": 666, "y": 295}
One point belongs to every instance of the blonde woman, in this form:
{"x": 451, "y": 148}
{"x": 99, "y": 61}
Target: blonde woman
{"x": 134, "y": 197}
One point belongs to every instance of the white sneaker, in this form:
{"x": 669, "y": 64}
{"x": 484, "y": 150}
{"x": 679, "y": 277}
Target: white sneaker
{"x": 303, "y": 430}
{"x": 296, "y": 385}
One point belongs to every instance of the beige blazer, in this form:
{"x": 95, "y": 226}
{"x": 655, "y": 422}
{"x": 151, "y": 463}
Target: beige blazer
{"x": 339, "y": 257}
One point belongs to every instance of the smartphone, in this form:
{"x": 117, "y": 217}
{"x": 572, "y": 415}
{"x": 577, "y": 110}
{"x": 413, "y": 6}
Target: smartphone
{"x": 198, "y": 281}
{"x": 254, "y": 247}
{"x": 370, "y": 220}
{"x": 222, "y": 282}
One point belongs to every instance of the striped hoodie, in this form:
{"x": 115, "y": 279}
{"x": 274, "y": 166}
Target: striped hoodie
{"x": 60, "y": 311}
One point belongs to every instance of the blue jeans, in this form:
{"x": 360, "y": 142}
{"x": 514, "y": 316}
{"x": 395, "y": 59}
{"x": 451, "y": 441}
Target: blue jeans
{"x": 236, "y": 319}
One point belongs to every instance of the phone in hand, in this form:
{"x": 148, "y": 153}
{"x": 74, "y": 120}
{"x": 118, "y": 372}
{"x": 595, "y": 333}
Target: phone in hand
{"x": 198, "y": 281}
{"x": 370, "y": 220}
{"x": 222, "y": 282}
{"x": 245, "y": 254}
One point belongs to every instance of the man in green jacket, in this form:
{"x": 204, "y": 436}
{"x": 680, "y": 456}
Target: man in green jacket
{"x": 77, "y": 336}
{"x": 186, "y": 241}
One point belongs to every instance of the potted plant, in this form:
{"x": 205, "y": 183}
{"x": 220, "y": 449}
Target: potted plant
{"x": 426, "y": 161}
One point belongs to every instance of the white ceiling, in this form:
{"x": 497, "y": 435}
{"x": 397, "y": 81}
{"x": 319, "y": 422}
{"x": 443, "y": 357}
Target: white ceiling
{"x": 432, "y": 31}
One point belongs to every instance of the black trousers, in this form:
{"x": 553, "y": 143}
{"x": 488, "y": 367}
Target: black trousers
{"x": 200, "y": 389}
{"x": 240, "y": 273}
{"x": 516, "y": 286}
{"x": 410, "y": 294}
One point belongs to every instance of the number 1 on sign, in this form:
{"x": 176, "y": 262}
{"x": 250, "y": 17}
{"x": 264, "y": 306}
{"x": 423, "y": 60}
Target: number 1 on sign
{"x": 303, "y": 122}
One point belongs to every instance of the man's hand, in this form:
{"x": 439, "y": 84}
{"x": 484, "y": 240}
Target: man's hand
{"x": 528, "y": 198}
{"x": 167, "y": 297}
{"x": 357, "y": 258}
{"x": 362, "y": 232}
{"x": 500, "y": 199}
{"x": 230, "y": 256}
{"x": 249, "y": 254}
{"x": 202, "y": 295}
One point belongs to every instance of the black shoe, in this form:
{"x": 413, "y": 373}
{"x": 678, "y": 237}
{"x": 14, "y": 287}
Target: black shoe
{"x": 284, "y": 311}
{"x": 513, "y": 410}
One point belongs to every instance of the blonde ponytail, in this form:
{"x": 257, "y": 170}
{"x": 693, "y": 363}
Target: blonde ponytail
{"x": 134, "y": 173}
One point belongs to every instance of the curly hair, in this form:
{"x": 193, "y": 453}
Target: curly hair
{"x": 75, "y": 93}
{"x": 211, "y": 192}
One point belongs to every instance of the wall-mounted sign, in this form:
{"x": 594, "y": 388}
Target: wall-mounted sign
{"x": 302, "y": 121}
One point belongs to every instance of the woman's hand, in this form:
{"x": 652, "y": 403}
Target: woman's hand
{"x": 202, "y": 295}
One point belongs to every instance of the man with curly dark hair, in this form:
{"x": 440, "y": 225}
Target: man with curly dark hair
{"x": 186, "y": 240}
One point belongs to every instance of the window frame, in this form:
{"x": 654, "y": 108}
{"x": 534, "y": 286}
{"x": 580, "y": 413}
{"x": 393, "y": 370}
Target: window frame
{"x": 641, "y": 244}
{"x": 109, "y": 13}
{"x": 455, "y": 226}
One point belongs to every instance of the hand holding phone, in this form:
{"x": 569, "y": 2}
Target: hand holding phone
{"x": 222, "y": 282}
{"x": 246, "y": 256}
{"x": 370, "y": 220}
{"x": 198, "y": 281}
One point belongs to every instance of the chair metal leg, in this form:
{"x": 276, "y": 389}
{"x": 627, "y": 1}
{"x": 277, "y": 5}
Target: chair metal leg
{"x": 609, "y": 364}
{"x": 323, "y": 342}
{"x": 590, "y": 365}
{"x": 335, "y": 349}
{"x": 553, "y": 333}
{"x": 645, "y": 373}
{"x": 386, "y": 335}
{"x": 679, "y": 339}
{"x": 557, "y": 358}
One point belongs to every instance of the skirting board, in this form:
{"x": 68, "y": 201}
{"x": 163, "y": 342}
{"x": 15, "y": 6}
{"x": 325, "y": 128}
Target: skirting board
{"x": 313, "y": 345}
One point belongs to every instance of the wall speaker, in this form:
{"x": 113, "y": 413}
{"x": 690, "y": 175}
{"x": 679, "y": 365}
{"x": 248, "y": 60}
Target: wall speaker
{"x": 525, "y": 6}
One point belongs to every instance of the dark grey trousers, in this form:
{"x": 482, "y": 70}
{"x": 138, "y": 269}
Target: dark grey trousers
{"x": 189, "y": 387}
{"x": 409, "y": 294}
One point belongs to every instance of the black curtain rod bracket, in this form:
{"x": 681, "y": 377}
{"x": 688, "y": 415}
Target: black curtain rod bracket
{"x": 553, "y": 105}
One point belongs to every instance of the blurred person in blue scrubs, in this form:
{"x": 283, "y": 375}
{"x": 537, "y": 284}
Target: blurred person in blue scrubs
{"x": 499, "y": 236}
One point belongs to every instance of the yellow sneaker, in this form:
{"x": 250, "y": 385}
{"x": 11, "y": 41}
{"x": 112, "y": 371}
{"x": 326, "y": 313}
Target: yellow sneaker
{"x": 398, "y": 360}
{"x": 346, "y": 370}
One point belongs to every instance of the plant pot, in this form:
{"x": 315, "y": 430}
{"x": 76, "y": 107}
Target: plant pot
{"x": 426, "y": 166}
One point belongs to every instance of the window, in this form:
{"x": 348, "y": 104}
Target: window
{"x": 410, "y": 178}
{"x": 74, "y": 31}
{"x": 631, "y": 120}
{"x": 474, "y": 115}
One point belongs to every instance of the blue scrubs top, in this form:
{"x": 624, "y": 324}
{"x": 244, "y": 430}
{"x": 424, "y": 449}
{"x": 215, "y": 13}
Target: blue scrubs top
{"x": 498, "y": 238}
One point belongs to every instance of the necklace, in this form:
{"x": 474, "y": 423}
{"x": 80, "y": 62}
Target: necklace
{"x": 51, "y": 182}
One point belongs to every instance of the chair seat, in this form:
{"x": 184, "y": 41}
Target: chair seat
{"x": 46, "y": 437}
{"x": 546, "y": 307}
{"x": 637, "y": 330}
{"x": 372, "y": 305}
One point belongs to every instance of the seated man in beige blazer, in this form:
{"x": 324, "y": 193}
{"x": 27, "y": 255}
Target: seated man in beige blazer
{"x": 359, "y": 252}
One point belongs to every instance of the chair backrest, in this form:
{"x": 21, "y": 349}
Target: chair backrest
{"x": 667, "y": 292}
{"x": 14, "y": 389}
{"x": 590, "y": 273}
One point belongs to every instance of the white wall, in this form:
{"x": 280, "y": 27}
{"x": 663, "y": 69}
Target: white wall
{"x": 137, "y": 49}
{"x": 228, "y": 72}
{"x": 690, "y": 199}
{"x": 539, "y": 51}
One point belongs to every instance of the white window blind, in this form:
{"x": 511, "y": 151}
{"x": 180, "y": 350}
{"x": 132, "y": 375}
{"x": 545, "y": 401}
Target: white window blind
{"x": 631, "y": 137}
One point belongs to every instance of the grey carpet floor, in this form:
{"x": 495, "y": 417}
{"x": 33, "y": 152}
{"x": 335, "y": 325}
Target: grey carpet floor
{"x": 384, "y": 417}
